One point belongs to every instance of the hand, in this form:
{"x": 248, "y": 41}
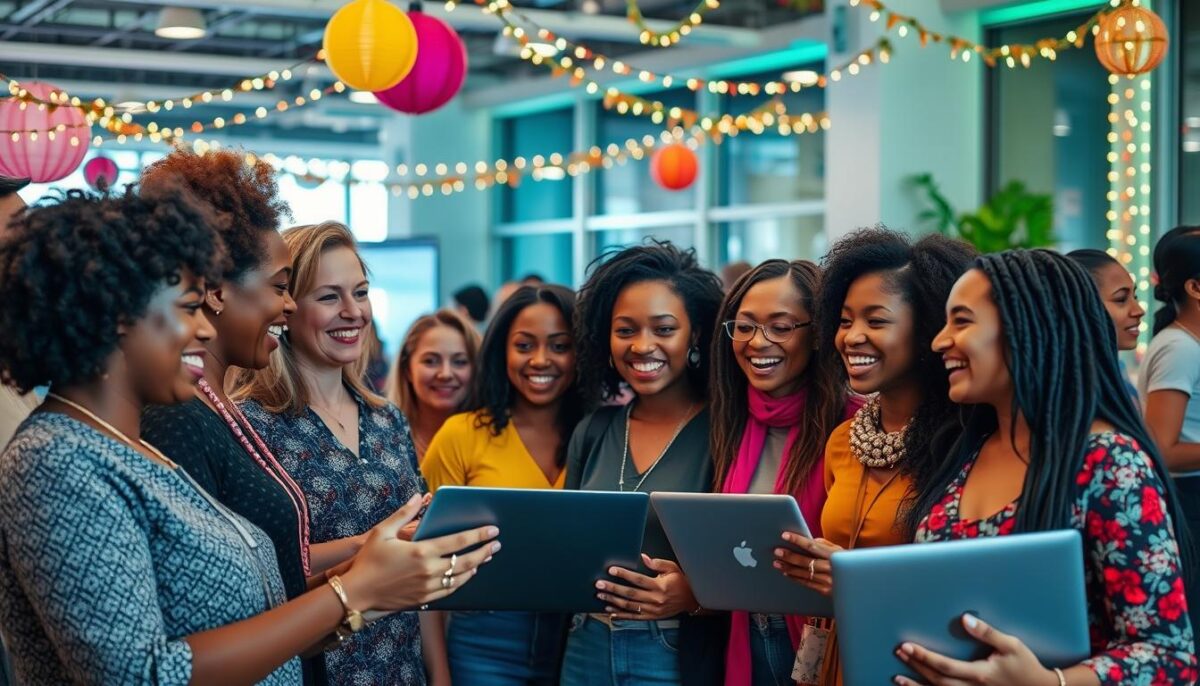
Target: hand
{"x": 407, "y": 532}
{"x": 391, "y": 574}
{"x": 810, "y": 568}
{"x": 1011, "y": 662}
{"x": 647, "y": 598}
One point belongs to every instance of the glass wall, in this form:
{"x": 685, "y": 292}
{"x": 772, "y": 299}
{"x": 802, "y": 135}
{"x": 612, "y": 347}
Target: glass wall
{"x": 1189, "y": 106}
{"x": 544, "y": 134}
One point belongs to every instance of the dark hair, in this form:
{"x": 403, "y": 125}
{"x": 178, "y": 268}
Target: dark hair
{"x": 10, "y": 185}
{"x": 826, "y": 402}
{"x": 74, "y": 268}
{"x": 491, "y": 391}
{"x": 1065, "y": 374}
{"x": 1176, "y": 261}
{"x": 922, "y": 273}
{"x": 532, "y": 279}
{"x": 1093, "y": 260}
{"x": 474, "y": 299}
{"x": 244, "y": 198}
{"x": 699, "y": 289}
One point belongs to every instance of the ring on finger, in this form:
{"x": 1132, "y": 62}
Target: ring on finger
{"x": 447, "y": 582}
{"x": 812, "y": 569}
{"x": 638, "y": 610}
{"x": 453, "y": 562}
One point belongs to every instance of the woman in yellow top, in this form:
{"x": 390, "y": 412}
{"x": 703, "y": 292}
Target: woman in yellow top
{"x": 882, "y": 301}
{"x": 525, "y": 405}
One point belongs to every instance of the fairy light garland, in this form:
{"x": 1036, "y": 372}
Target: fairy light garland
{"x": 673, "y": 35}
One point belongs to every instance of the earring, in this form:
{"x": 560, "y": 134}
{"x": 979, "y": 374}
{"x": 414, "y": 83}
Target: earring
{"x": 611, "y": 364}
{"x": 694, "y": 356}
{"x": 217, "y": 312}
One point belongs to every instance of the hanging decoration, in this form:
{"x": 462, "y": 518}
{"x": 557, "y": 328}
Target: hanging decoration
{"x": 370, "y": 44}
{"x": 674, "y": 167}
{"x": 1131, "y": 40}
{"x": 57, "y": 150}
{"x": 100, "y": 173}
{"x": 673, "y": 35}
{"x": 438, "y": 73}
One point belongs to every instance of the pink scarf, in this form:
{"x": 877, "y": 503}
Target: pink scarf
{"x": 767, "y": 412}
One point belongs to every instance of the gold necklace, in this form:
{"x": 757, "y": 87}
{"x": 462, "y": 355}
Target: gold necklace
{"x": 114, "y": 430}
{"x": 337, "y": 418}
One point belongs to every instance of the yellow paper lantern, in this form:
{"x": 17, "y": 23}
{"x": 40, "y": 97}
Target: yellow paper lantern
{"x": 370, "y": 45}
{"x": 1132, "y": 40}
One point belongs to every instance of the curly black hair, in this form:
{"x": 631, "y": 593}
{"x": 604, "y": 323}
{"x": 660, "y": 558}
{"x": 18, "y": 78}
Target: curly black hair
{"x": 491, "y": 391}
{"x": 923, "y": 274}
{"x": 244, "y": 198}
{"x": 73, "y": 268}
{"x": 699, "y": 289}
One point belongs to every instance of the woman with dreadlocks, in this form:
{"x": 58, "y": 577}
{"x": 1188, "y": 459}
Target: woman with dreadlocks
{"x": 1052, "y": 442}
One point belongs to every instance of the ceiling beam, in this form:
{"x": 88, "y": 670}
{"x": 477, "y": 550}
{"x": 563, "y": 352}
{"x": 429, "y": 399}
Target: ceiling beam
{"x": 33, "y": 13}
{"x": 144, "y": 60}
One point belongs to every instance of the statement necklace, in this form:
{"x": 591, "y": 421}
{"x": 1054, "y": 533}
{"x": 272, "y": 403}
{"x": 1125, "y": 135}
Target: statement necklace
{"x": 873, "y": 446}
{"x": 625, "y": 455}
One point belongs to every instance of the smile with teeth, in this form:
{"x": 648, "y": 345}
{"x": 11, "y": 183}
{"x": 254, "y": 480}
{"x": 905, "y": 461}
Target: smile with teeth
{"x": 952, "y": 365}
{"x": 648, "y": 367}
{"x": 193, "y": 360}
{"x": 541, "y": 379}
{"x": 862, "y": 360}
{"x": 276, "y": 330}
{"x": 765, "y": 362}
{"x": 346, "y": 334}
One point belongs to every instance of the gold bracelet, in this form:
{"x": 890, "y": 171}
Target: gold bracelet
{"x": 353, "y": 622}
{"x": 1062, "y": 678}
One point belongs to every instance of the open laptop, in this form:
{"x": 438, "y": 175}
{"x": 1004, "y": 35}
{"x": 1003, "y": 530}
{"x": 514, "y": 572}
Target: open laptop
{"x": 726, "y": 545}
{"x": 556, "y": 544}
{"x": 1028, "y": 585}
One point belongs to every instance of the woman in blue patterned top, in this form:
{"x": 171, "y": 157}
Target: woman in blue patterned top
{"x": 139, "y": 576}
{"x": 349, "y": 449}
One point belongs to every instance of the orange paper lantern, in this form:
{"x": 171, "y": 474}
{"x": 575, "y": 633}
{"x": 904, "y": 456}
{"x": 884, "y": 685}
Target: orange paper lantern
{"x": 674, "y": 167}
{"x": 370, "y": 45}
{"x": 1132, "y": 40}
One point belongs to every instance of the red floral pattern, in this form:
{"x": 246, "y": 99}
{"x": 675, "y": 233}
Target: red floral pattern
{"x": 1137, "y": 610}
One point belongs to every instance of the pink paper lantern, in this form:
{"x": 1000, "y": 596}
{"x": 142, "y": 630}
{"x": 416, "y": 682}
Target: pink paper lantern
{"x": 438, "y": 74}
{"x": 51, "y": 153}
{"x": 100, "y": 173}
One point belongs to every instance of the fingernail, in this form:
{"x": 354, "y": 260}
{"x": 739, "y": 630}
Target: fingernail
{"x": 778, "y": 565}
{"x": 612, "y": 570}
{"x": 787, "y": 536}
{"x": 496, "y": 547}
{"x": 908, "y": 649}
{"x": 779, "y": 552}
{"x": 493, "y": 531}
{"x": 970, "y": 621}
{"x": 897, "y": 680}
{"x": 486, "y": 560}
{"x": 600, "y": 585}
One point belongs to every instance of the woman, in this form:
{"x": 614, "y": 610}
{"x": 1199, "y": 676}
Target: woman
{"x": 882, "y": 301}
{"x": 432, "y": 375}
{"x": 1169, "y": 380}
{"x": 646, "y": 318}
{"x": 349, "y": 449}
{"x": 1053, "y": 442}
{"x": 107, "y": 294}
{"x": 1119, "y": 295}
{"x": 524, "y": 406}
{"x": 768, "y": 383}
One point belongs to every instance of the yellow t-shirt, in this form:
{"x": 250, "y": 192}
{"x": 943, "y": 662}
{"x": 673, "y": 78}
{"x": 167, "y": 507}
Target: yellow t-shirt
{"x": 462, "y": 454}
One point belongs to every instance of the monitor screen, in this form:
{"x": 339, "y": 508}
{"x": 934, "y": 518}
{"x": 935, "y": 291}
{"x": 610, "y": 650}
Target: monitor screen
{"x": 404, "y": 285}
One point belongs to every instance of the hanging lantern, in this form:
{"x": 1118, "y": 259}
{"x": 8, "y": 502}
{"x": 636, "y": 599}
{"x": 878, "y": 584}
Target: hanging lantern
{"x": 674, "y": 167}
{"x": 1132, "y": 40}
{"x": 370, "y": 44}
{"x": 100, "y": 173}
{"x": 49, "y": 140}
{"x": 438, "y": 73}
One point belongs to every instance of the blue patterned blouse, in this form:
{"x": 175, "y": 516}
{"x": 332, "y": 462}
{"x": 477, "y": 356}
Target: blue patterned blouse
{"x": 348, "y": 495}
{"x": 108, "y": 561}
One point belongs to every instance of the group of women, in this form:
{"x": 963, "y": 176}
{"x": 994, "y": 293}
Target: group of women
{"x": 211, "y": 492}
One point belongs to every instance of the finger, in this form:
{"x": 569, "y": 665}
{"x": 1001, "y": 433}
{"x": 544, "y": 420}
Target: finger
{"x": 940, "y": 664}
{"x": 631, "y": 607}
{"x": 638, "y": 580}
{"x": 445, "y": 545}
{"x": 660, "y": 566}
{"x": 989, "y": 635}
{"x": 901, "y": 680}
{"x": 466, "y": 564}
{"x": 821, "y": 548}
{"x": 928, "y": 674}
{"x": 610, "y": 590}
{"x": 391, "y": 526}
{"x": 437, "y": 593}
{"x": 793, "y": 558}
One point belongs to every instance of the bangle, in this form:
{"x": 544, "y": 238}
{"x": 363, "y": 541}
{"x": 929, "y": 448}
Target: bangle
{"x": 1062, "y": 678}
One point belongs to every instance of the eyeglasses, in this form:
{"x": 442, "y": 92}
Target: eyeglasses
{"x": 776, "y": 332}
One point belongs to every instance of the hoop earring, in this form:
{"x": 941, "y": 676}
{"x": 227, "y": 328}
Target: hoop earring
{"x": 694, "y": 357}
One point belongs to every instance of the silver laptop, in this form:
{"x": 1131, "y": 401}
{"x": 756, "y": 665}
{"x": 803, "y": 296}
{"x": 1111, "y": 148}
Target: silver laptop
{"x": 1028, "y": 585}
{"x": 726, "y": 545}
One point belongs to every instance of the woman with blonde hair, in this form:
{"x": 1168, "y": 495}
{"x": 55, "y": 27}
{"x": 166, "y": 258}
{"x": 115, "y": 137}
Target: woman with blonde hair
{"x": 432, "y": 375}
{"x": 349, "y": 449}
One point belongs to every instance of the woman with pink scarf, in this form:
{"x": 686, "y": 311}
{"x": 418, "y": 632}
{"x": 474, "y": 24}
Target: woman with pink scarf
{"x": 774, "y": 405}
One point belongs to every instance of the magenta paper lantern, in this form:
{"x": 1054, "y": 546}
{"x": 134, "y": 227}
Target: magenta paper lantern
{"x": 100, "y": 173}
{"x": 51, "y": 154}
{"x": 438, "y": 74}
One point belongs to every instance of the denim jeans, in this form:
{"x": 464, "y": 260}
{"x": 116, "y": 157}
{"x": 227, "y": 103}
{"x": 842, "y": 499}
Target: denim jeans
{"x": 771, "y": 652}
{"x": 627, "y": 654}
{"x": 503, "y": 648}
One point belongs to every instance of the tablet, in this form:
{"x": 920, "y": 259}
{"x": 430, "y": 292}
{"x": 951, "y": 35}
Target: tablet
{"x": 556, "y": 544}
{"x": 726, "y": 545}
{"x": 1028, "y": 585}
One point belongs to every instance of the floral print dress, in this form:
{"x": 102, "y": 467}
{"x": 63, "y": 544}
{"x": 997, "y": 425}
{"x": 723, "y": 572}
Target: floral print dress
{"x": 1137, "y": 612}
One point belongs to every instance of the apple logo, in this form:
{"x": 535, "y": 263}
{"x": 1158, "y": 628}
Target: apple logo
{"x": 744, "y": 556}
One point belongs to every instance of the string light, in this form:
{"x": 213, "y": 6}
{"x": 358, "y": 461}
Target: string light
{"x": 673, "y": 35}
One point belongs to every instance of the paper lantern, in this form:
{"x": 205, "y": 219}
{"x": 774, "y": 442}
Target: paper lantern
{"x": 1132, "y": 40}
{"x": 370, "y": 44}
{"x": 438, "y": 73}
{"x": 48, "y": 153}
{"x": 674, "y": 167}
{"x": 100, "y": 173}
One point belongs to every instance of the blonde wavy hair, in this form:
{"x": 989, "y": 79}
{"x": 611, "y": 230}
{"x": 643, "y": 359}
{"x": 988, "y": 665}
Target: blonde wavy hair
{"x": 399, "y": 386}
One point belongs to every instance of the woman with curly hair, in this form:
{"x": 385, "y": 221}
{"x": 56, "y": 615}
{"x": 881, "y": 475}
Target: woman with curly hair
{"x": 1052, "y": 442}
{"x": 116, "y": 567}
{"x": 524, "y": 405}
{"x": 882, "y": 301}
{"x": 646, "y": 318}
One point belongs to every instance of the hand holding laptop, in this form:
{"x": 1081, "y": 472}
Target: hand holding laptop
{"x": 647, "y": 598}
{"x": 1011, "y": 662}
{"x": 811, "y": 568}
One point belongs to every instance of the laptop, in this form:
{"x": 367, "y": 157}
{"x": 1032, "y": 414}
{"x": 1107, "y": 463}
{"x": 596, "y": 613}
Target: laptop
{"x": 1028, "y": 585}
{"x": 726, "y": 543}
{"x": 556, "y": 544}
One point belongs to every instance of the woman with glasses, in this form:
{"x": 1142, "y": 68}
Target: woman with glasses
{"x": 775, "y": 403}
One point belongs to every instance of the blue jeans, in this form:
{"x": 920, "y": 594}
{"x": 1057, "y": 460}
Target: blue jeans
{"x": 627, "y": 654}
{"x": 771, "y": 653}
{"x": 503, "y": 648}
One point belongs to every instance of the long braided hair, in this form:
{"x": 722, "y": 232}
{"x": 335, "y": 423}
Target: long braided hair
{"x": 1061, "y": 353}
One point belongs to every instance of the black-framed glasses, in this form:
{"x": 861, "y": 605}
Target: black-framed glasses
{"x": 776, "y": 332}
